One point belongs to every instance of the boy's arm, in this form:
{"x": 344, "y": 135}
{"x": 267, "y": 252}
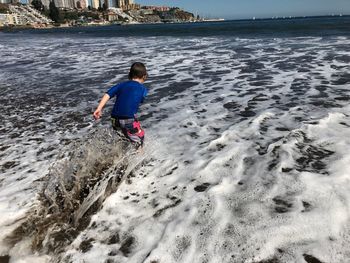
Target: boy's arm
{"x": 98, "y": 111}
{"x": 145, "y": 92}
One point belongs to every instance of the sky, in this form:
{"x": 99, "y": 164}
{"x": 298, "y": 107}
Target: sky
{"x": 237, "y": 9}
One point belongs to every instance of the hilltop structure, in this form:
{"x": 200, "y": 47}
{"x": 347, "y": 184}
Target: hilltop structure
{"x": 87, "y": 12}
{"x": 82, "y": 4}
{"x": 23, "y": 15}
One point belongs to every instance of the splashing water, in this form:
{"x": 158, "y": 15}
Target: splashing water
{"x": 75, "y": 188}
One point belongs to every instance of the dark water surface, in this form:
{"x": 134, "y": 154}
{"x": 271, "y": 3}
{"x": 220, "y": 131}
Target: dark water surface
{"x": 310, "y": 26}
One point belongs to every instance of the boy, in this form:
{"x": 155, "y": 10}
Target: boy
{"x": 129, "y": 95}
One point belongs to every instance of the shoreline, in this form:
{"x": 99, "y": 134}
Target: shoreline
{"x": 257, "y": 21}
{"x": 31, "y": 27}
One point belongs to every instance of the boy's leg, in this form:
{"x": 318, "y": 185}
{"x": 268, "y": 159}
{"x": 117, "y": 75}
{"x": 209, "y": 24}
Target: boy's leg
{"x": 114, "y": 123}
{"x": 135, "y": 133}
{"x": 118, "y": 128}
{"x": 131, "y": 129}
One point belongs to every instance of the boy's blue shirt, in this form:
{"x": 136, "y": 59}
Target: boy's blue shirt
{"x": 129, "y": 96}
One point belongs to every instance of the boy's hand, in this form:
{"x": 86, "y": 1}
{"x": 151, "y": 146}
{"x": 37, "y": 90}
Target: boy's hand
{"x": 97, "y": 114}
{"x": 98, "y": 111}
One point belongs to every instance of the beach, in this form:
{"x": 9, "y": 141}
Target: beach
{"x": 246, "y": 156}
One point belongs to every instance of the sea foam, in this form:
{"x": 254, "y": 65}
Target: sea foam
{"x": 245, "y": 158}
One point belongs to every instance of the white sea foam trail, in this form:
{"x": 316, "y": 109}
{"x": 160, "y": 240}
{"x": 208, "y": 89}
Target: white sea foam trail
{"x": 256, "y": 193}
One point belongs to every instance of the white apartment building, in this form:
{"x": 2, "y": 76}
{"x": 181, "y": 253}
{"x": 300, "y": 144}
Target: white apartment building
{"x": 3, "y": 19}
{"x": 11, "y": 19}
{"x": 112, "y": 3}
{"x": 122, "y": 3}
{"x": 95, "y": 4}
{"x": 65, "y": 3}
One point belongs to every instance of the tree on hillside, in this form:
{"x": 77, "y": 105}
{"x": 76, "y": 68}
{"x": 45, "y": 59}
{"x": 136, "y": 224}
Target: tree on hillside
{"x": 38, "y": 5}
{"x": 71, "y": 15}
{"x": 4, "y": 9}
{"x": 54, "y": 12}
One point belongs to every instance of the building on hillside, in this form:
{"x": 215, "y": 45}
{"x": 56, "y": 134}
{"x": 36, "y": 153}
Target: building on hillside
{"x": 111, "y": 16}
{"x": 106, "y": 3}
{"x": 122, "y": 3}
{"x": 112, "y": 3}
{"x": 81, "y": 4}
{"x": 156, "y": 8}
{"x": 64, "y": 3}
{"x": 95, "y": 4}
{"x": 131, "y": 7}
{"x": 11, "y": 19}
{"x": 26, "y": 15}
{"x": 89, "y": 3}
{"x": 127, "y": 5}
{"x": 70, "y": 4}
{"x": 3, "y": 19}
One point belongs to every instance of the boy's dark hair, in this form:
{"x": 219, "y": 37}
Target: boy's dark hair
{"x": 137, "y": 70}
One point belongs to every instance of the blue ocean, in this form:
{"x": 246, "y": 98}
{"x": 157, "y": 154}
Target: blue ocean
{"x": 246, "y": 156}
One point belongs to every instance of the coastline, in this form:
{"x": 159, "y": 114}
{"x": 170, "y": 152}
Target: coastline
{"x": 62, "y": 26}
{"x": 121, "y": 23}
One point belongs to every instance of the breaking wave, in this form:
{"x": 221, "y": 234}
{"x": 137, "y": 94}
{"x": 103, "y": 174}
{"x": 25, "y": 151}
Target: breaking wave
{"x": 75, "y": 188}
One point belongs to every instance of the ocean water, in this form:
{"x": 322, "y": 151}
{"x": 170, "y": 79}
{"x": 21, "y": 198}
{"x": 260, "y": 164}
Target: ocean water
{"x": 247, "y": 144}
